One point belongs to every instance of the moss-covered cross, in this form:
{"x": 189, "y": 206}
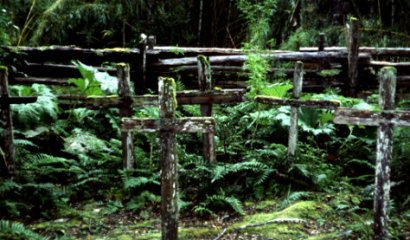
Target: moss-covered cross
{"x": 168, "y": 125}
{"x": 385, "y": 120}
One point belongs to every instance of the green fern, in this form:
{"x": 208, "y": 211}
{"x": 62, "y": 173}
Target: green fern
{"x": 130, "y": 182}
{"x": 220, "y": 171}
{"x": 8, "y": 185}
{"x": 14, "y": 230}
{"x": 221, "y": 200}
{"x": 142, "y": 199}
{"x": 293, "y": 197}
{"x": 41, "y": 113}
{"x": 203, "y": 210}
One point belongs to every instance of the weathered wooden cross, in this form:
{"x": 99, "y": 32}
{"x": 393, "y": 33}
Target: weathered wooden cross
{"x": 205, "y": 85}
{"x": 385, "y": 120}
{"x": 168, "y": 125}
{"x": 7, "y": 152}
{"x": 295, "y": 104}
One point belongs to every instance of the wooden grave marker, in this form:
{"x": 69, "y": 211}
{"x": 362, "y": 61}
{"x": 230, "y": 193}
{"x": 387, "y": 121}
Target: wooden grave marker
{"x": 385, "y": 120}
{"x": 168, "y": 125}
{"x": 205, "y": 85}
{"x": 295, "y": 104}
{"x": 7, "y": 161}
{"x": 125, "y": 107}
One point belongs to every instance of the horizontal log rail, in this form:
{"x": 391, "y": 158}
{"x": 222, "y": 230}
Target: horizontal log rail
{"x": 292, "y": 56}
{"x": 298, "y": 102}
{"x": 16, "y": 100}
{"x": 374, "y": 51}
{"x": 183, "y": 98}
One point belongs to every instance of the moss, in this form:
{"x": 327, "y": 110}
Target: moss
{"x": 122, "y": 64}
{"x": 263, "y": 205}
{"x": 198, "y": 233}
{"x": 117, "y": 49}
{"x": 326, "y": 236}
{"x": 305, "y": 210}
{"x": 170, "y": 81}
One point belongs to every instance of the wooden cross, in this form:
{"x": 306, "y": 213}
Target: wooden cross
{"x": 295, "y": 104}
{"x": 205, "y": 85}
{"x": 7, "y": 161}
{"x": 385, "y": 120}
{"x": 125, "y": 106}
{"x": 168, "y": 125}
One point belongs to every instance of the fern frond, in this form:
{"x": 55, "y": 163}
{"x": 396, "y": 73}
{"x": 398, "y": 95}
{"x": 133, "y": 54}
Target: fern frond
{"x": 293, "y": 197}
{"x": 203, "y": 210}
{"x": 43, "y": 111}
{"x": 15, "y": 230}
{"x": 220, "y": 171}
{"x": 9, "y": 185}
{"x": 134, "y": 182}
{"x": 231, "y": 201}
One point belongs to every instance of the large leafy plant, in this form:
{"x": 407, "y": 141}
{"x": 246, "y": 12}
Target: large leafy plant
{"x": 94, "y": 82}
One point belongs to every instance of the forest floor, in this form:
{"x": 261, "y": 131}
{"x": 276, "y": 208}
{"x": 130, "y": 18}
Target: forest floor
{"x": 303, "y": 219}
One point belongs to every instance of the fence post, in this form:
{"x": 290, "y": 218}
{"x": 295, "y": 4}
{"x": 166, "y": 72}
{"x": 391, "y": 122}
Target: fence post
{"x": 352, "y": 41}
{"x": 124, "y": 93}
{"x": 321, "y": 42}
{"x": 140, "y": 84}
{"x": 168, "y": 160}
{"x": 387, "y": 78}
{"x": 205, "y": 84}
{"x": 152, "y": 40}
{"x": 294, "y": 115}
{"x": 6, "y": 132}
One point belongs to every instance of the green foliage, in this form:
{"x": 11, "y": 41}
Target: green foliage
{"x": 41, "y": 113}
{"x": 8, "y": 30}
{"x": 15, "y": 231}
{"x": 94, "y": 82}
{"x": 138, "y": 198}
{"x": 219, "y": 200}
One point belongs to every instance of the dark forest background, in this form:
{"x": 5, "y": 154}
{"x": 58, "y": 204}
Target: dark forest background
{"x": 222, "y": 23}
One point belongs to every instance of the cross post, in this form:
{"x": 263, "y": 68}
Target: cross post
{"x": 385, "y": 120}
{"x": 167, "y": 126}
{"x": 352, "y": 40}
{"x": 7, "y": 151}
{"x": 205, "y": 85}
{"x": 125, "y": 106}
{"x": 295, "y": 104}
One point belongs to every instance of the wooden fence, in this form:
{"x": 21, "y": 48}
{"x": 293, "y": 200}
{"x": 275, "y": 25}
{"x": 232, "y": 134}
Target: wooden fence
{"x": 354, "y": 68}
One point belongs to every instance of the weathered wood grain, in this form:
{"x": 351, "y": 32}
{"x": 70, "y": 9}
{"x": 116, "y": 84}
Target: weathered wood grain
{"x": 125, "y": 107}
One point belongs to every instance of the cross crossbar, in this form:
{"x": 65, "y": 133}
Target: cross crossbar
{"x": 182, "y": 125}
{"x": 370, "y": 118}
{"x": 295, "y": 103}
